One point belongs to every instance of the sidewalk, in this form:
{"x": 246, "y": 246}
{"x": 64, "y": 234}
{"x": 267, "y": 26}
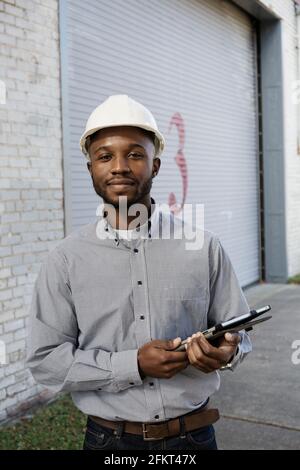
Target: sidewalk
{"x": 259, "y": 403}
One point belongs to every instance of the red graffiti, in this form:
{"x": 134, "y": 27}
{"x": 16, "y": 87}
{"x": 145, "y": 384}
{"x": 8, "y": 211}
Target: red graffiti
{"x": 181, "y": 163}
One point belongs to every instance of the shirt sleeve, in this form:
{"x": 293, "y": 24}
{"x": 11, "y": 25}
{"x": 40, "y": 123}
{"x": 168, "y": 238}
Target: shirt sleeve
{"x": 53, "y": 356}
{"x": 227, "y": 299}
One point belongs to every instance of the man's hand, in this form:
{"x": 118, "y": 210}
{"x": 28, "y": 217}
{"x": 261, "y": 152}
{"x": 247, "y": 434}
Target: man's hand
{"x": 208, "y": 358}
{"x": 157, "y": 359}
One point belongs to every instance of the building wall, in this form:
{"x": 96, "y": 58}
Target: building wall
{"x": 286, "y": 9}
{"x": 31, "y": 181}
{"x": 31, "y": 196}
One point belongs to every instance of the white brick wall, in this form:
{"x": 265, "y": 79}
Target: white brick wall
{"x": 285, "y": 8}
{"x": 31, "y": 197}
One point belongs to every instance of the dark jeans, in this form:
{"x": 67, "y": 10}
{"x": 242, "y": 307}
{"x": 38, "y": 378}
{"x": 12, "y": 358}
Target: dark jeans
{"x": 101, "y": 438}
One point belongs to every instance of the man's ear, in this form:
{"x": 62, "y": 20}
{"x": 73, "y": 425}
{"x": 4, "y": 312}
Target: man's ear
{"x": 89, "y": 167}
{"x": 156, "y": 166}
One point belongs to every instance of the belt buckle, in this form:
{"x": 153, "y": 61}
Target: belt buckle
{"x": 145, "y": 434}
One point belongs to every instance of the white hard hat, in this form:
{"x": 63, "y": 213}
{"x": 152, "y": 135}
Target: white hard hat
{"x": 121, "y": 110}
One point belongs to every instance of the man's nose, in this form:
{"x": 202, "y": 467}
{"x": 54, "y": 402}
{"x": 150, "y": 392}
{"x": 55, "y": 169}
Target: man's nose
{"x": 120, "y": 165}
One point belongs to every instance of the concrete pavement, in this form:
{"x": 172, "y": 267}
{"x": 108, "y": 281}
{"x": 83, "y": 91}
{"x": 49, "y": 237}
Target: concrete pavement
{"x": 260, "y": 401}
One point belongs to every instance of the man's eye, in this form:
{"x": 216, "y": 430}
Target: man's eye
{"x": 136, "y": 155}
{"x": 104, "y": 157}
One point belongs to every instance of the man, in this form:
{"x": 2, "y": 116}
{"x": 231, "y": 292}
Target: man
{"x": 113, "y": 300}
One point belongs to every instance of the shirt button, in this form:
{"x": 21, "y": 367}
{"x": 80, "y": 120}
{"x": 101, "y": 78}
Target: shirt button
{"x": 131, "y": 383}
{"x": 142, "y": 317}
{"x": 156, "y": 416}
{"x": 140, "y": 283}
{"x": 136, "y": 250}
{"x": 151, "y": 384}
{"x": 99, "y": 388}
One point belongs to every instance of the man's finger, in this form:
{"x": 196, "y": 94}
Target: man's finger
{"x": 201, "y": 357}
{"x": 208, "y": 349}
{"x": 191, "y": 354}
{"x": 167, "y": 344}
{"x": 177, "y": 367}
{"x": 233, "y": 338}
{"x": 177, "y": 356}
{"x": 193, "y": 361}
{"x": 181, "y": 366}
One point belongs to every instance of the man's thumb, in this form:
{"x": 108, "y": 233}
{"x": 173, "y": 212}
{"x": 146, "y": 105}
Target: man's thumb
{"x": 173, "y": 343}
{"x": 233, "y": 338}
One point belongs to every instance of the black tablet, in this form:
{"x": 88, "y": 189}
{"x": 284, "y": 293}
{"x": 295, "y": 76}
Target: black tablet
{"x": 242, "y": 322}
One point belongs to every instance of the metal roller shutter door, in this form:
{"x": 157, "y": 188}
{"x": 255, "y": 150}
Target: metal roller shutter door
{"x": 195, "y": 58}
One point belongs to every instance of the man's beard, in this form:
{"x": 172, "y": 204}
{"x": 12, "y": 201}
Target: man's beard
{"x": 136, "y": 198}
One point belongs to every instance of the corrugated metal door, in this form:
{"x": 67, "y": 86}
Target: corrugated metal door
{"x": 193, "y": 64}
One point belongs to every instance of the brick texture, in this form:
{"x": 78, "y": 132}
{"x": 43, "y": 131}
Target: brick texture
{"x": 31, "y": 181}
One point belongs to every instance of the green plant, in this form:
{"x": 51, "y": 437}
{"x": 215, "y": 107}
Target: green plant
{"x": 57, "y": 426}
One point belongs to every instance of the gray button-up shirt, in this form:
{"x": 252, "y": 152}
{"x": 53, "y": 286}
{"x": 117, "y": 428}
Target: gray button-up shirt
{"x": 99, "y": 297}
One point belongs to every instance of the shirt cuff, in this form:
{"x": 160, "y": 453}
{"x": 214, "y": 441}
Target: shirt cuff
{"x": 244, "y": 347}
{"x": 236, "y": 359}
{"x": 125, "y": 369}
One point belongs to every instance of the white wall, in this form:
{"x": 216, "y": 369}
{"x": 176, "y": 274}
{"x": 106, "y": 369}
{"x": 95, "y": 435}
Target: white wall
{"x": 286, "y": 9}
{"x": 31, "y": 198}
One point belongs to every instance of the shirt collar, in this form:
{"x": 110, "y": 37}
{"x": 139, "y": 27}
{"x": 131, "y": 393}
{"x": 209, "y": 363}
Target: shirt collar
{"x": 147, "y": 230}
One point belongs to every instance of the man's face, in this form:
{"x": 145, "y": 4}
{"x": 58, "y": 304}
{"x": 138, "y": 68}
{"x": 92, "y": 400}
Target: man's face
{"x": 122, "y": 164}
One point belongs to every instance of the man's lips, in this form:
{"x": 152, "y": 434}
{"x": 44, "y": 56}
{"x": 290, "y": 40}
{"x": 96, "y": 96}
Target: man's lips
{"x": 121, "y": 182}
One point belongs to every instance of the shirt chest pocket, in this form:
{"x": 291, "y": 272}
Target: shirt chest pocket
{"x": 183, "y": 311}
